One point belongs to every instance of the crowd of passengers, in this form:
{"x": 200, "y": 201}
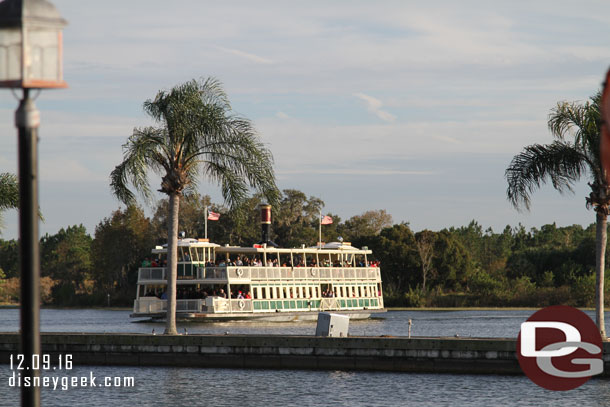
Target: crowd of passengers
{"x": 257, "y": 262}
{"x": 199, "y": 293}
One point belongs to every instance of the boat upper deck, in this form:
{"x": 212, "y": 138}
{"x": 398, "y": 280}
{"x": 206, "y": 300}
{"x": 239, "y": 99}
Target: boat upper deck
{"x": 192, "y": 273}
{"x": 202, "y": 261}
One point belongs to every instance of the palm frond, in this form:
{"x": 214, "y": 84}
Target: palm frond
{"x": 577, "y": 121}
{"x": 9, "y": 191}
{"x": 559, "y": 162}
{"x": 144, "y": 151}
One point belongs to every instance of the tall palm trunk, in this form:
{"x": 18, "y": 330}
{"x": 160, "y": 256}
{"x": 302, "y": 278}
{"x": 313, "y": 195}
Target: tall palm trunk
{"x": 600, "y": 251}
{"x": 172, "y": 263}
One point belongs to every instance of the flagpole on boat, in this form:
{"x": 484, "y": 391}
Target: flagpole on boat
{"x": 320, "y": 227}
{"x": 206, "y": 222}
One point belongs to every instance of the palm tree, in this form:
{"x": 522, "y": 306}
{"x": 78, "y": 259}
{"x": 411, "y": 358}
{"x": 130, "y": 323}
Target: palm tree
{"x": 197, "y": 135}
{"x": 575, "y": 153}
{"x": 9, "y": 192}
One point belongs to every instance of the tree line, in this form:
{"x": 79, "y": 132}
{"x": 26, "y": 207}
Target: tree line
{"x": 464, "y": 266}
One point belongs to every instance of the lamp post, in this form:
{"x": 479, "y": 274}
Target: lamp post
{"x": 30, "y": 58}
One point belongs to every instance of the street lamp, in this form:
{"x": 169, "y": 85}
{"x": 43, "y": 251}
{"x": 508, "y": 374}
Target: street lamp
{"x": 30, "y": 58}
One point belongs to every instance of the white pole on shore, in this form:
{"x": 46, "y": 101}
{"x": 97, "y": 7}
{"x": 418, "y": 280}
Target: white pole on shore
{"x": 206, "y": 222}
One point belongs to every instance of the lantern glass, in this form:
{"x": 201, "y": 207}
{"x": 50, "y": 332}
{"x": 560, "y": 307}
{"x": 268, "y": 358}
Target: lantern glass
{"x": 42, "y": 62}
{"x": 10, "y": 56}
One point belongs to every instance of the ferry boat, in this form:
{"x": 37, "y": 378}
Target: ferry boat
{"x": 217, "y": 282}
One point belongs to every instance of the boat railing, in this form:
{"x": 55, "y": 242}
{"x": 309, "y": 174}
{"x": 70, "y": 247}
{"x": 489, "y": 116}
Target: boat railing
{"x": 224, "y": 305}
{"x": 149, "y": 305}
{"x": 211, "y": 273}
{"x": 151, "y": 273}
{"x": 301, "y": 273}
{"x": 188, "y": 305}
{"x": 194, "y": 271}
{"x": 329, "y": 304}
{"x": 152, "y": 305}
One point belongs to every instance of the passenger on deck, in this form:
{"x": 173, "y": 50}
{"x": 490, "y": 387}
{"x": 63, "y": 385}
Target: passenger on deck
{"x": 248, "y": 296}
{"x": 154, "y": 263}
{"x": 238, "y": 262}
{"x": 146, "y": 262}
{"x": 222, "y": 293}
{"x": 240, "y": 296}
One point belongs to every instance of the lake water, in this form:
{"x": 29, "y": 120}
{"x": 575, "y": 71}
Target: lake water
{"x": 231, "y": 387}
{"x": 424, "y": 323}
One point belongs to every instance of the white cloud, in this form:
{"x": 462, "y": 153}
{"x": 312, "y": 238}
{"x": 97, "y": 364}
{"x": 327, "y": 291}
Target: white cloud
{"x": 374, "y": 105}
{"x": 354, "y": 171}
{"x": 68, "y": 170}
{"x": 246, "y": 55}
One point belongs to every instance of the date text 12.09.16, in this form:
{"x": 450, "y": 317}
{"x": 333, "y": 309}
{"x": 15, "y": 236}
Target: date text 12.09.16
{"x": 41, "y": 362}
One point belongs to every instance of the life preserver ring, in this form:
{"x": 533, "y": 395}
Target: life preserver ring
{"x": 313, "y": 272}
{"x": 239, "y": 272}
{"x": 241, "y": 304}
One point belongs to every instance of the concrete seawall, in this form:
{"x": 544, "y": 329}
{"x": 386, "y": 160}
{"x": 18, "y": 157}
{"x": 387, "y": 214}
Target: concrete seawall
{"x": 437, "y": 355}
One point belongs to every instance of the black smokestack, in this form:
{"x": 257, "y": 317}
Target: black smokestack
{"x": 265, "y": 221}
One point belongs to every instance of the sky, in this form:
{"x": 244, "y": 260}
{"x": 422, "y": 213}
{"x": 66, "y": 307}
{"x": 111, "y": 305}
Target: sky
{"x": 409, "y": 106}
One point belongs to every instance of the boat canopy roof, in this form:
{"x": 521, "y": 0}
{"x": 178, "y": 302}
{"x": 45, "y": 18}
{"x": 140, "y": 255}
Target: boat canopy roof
{"x": 188, "y": 242}
{"x": 333, "y": 247}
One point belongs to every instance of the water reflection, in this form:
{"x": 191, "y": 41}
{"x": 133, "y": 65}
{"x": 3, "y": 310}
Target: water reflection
{"x": 230, "y": 387}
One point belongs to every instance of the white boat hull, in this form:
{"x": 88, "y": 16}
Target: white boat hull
{"x": 262, "y": 316}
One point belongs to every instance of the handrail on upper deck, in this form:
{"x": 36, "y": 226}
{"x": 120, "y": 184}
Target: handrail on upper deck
{"x": 197, "y": 272}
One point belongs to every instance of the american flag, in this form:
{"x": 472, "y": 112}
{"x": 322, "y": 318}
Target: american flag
{"x": 326, "y": 220}
{"x": 213, "y": 216}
